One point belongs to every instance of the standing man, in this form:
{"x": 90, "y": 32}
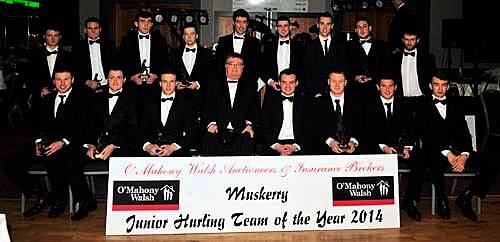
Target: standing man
{"x": 340, "y": 118}
{"x": 194, "y": 66}
{"x": 231, "y": 113}
{"x": 366, "y": 58}
{"x": 321, "y": 55}
{"x": 413, "y": 69}
{"x": 93, "y": 56}
{"x": 286, "y": 118}
{"x": 63, "y": 115}
{"x": 110, "y": 129}
{"x": 167, "y": 124}
{"x": 242, "y": 43}
{"x": 446, "y": 143}
{"x": 144, "y": 53}
{"x": 403, "y": 19}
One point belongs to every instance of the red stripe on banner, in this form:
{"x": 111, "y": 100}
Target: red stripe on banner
{"x": 145, "y": 207}
{"x": 363, "y": 202}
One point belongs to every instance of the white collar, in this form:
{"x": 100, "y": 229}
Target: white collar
{"x": 163, "y": 95}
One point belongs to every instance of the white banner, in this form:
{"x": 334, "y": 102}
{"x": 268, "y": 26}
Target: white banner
{"x": 251, "y": 193}
{"x": 272, "y": 5}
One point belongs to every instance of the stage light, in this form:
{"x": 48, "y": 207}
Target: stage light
{"x": 188, "y": 18}
{"x": 364, "y": 5}
{"x": 379, "y": 4}
{"x": 336, "y": 7}
{"x": 174, "y": 18}
{"x": 159, "y": 17}
{"x": 203, "y": 18}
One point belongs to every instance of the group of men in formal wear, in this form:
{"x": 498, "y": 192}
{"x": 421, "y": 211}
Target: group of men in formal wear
{"x": 145, "y": 99}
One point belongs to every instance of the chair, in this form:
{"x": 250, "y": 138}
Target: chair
{"x": 489, "y": 102}
{"x": 14, "y": 100}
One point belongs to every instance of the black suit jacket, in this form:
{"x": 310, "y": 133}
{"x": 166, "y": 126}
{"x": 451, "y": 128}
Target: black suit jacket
{"x": 272, "y": 119}
{"x": 316, "y": 65}
{"x": 219, "y": 110}
{"x": 403, "y": 19}
{"x": 71, "y": 124}
{"x": 251, "y": 56}
{"x": 120, "y": 125}
{"x": 327, "y": 118}
{"x": 379, "y": 130}
{"x": 203, "y": 69}
{"x": 426, "y": 67}
{"x": 270, "y": 61}
{"x": 81, "y": 58}
{"x": 180, "y": 127}
{"x": 373, "y": 64}
{"x": 438, "y": 133}
{"x": 39, "y": 74}
{"x": 129, "y": 54}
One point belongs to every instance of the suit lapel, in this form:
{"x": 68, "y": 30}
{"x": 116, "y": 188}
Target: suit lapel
{"x": 173, "y": 110}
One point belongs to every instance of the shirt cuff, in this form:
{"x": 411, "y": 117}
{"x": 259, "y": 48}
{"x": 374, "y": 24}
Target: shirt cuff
{"x": 274, "y": 146}
{"x": 211, "y": 124}
{"x": 296, "y": 146}
{"x": 197, "y": 83}
{"x": 409, "y": 147}
{"x": 465, "y": 153}
{"x": 382, "y": 146}
{"x": 144, "y": 146}
{"x": 445, "y": 152}
{"x": 86, "y": 146}
{"x": 355, "y": 141}
{"x": 38, "y": 141}
{"x": 66, "y": 142}
{"x": 177, "y": 147}
{"x": 329, "y": 140}
{"x": 269, "y": 81}
{"x": 248, "y": 122}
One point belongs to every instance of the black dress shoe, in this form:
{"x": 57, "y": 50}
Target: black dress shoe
{"x": 83, "y": 209}
{"x": 411, "y": 209}
{"x": 40, "y": 204}
{"x": 464, "y": 201}
{"x": 443, "y": 209}
{"x": 57, "y": 209}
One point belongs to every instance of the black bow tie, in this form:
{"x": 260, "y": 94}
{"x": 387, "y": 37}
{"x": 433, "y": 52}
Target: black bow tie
{"x": 284, "y": 42}
{"x": 189, "y": 49}
{"x": 110, "y": 95}
{"x": 144, "y": 36}
{"x": 232, "y": 81}
{"x": 287, "y": 98}
{"x": 365, "y": 41}
{"x": 435, "y": 101}
{"x": 167, "y": 99}
{"x": 48, "y": 53}
{"x": 91, "y": 42}
{"x": 238, "y": 37}
{"x": 406, "y": 53}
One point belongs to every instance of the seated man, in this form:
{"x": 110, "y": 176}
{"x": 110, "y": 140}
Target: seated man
{"x": 231, "y": 112}
{"x": 388, "y": 128}
{"x": 339, "y": 118}
{"x": 446, "y": 143}
{"x": 167, "y": 124}
{"x": 111, "y": 125}
{"x": 58, "y": 135}
{"x": 285, "y": 118}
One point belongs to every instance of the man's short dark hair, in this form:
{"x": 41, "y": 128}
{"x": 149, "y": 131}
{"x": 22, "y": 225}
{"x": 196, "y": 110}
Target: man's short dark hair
{"x": 385, "y": 76}
{"x": 240, "y": 13}
{"x": 92, "y": 20}
{"x": 235, "y": 55}
{"x": 169, "y": 71}
{"x": 287, "y": 72}
{"x": 441, "y": 75}
{"x": 411, "y": 31}
{"x": 190, "y": 25}
{"x": 361, "y": 18}
{"x": 325, "y": 15}
{"x": 62, "y": 69}
{"x": 282, "y": 18}
{"x": 336, "y": 70}
{"x": 143, "y": 14}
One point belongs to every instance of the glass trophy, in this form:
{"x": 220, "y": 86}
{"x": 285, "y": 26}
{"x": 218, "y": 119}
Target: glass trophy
{"x": 43, "y": 144}
{"x": 403, "y": 141}
{"x": 102, "y": 142}
{"x": 368, "y": 76}
{"x": 344, "y": 140}
{"x": 160, "y": 138}
{"x": 144, "y": 71}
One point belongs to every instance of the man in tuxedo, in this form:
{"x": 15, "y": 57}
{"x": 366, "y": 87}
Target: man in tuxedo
{"x": 194, "y": 66}
{"x": 446, "y": 143}
{"x": 387, "y": 130}
{"x": 58, "y": 135}
{"x": 93, "y": 56}
{"x": 286, "y": 118}
{"x": 321, "y": 55}
{"x": 231, "y": 112}
{"x": 366, "y": 59}
{"x": 167, "y": 125}
{"x": 242, "y": 43}
{"x": 339, "y": 118}
{"x": 279, "y": 54}
{"x": 144, "y": 53}
{"x": 42, "y": 63}
{"x": 403, "y": 19}
{"x": 110, "y": 129}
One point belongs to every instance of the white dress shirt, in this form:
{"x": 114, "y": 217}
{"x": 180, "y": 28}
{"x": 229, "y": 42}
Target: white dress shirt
{"x": 51, "y": 59}
{"x": 238, "y": 43}
{"x": 112, "y": 101}
{"x": 165, "y": 107}
{"x": 366, "y": 46}
{"x": 145, "y": 50}
{"x": 56, "y": 105}
{"x": 322, "y": 42}
{"x": 286, "y": 131}
{"x": 341, "y": 98}
{"x": 283, "y": 55}
{"x": 96, "y": 62}
{"x": 189, "y": 58}
{"x": 232, "y": 94}
{"x": 409, "y": 76}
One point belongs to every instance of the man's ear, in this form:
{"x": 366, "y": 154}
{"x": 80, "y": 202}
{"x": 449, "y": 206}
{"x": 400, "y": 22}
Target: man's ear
{"x": 136, "y": 24}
